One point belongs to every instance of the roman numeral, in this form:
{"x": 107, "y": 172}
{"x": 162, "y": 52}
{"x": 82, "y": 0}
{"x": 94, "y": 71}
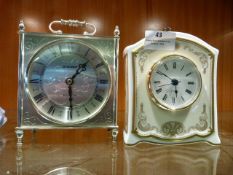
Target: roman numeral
{"x": 35, "y": 81}
{"x": 51, "y": 110}
{"x": 103, "y": 81}
{"x": 164, "y": 97}
{"x": 188, "y": 74}
{"x": 173, "y": 100}
{"x": 87, "y": 110}
{"x": 160, "y": 73}
{"x": 69, "y": 114}
{"x": 98, "y": 98}
{"x": 86, "y": 52}
{"x": 191, "y": 82}
{"x": 99, "y": 65}
{"x": 174, "y": 65}
{"x": 182, "y": 68}
{"x": 165, "y": 66}
{"x": 156, "y": 82}
{"x": 182, "y": 98}
{"x": 39, "y": 97}
{"x": 60, "y": 49}
{"x": 159, "y": 90}
{"x": 188, "y": 91}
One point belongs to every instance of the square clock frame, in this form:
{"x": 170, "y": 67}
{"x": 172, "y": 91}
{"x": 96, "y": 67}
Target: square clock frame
{"x": 171, "y": 95}
{"x": 67, "y": 81}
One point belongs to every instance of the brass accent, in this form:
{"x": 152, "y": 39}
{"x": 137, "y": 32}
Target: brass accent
{"x": 202, "y": 57}
{"x": 182, "y": 143}
{"x": 142, "y": 58}
{"x": 203, "y": 124}
{"x": 211, "y": 130}
{"x": 172, "y": 128}
{"x": 143, "y": 124}
{"x": 154, "y": 99}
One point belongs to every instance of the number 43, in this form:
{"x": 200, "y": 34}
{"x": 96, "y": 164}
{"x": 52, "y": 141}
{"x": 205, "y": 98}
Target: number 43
{"x": 159, "y": 34}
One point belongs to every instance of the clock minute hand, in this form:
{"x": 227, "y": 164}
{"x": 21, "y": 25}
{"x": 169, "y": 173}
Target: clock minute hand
{"x": 81, "y": 68}
{"x": 70, "y": 99}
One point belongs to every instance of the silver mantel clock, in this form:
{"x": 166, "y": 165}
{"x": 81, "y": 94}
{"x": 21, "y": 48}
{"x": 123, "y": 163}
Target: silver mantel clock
{"x": 171, "y": 94}
{"x": 67, "y": 81}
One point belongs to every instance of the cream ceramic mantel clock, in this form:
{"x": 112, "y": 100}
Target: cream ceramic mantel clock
{"x": 171, "y": 93}
{"x": 67, "y": 81}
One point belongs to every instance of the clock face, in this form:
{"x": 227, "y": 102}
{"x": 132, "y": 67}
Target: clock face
{"x": 68, "y": 82}
{"x": 174, "y": 82}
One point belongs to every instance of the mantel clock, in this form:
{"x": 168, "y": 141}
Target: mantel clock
{"x": 67, "y": 81}
{"x": 171, "y": 93}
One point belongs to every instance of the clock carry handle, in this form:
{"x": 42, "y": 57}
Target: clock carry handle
{"x": 73, "y": 23}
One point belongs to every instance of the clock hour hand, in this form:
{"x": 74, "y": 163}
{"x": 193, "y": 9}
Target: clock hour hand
{"x": 81, "y": 68}
{"x": 176, "y": 92}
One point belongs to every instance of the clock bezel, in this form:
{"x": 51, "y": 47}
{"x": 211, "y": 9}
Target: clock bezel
{"x": 30, "y": 97}
{"x": 149, "y": 88}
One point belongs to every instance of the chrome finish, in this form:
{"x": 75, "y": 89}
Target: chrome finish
{"x": 114, "y": 134}
{"x": 117, "y": 31}
{"x": 21, "y": 26}
{"x": 29, "y": 117}
{"x": 73, "y": 23}
{"x": 19, "y": 134}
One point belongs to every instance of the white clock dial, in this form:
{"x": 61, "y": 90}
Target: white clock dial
{"x": 174, "y": 82}
{"x": 68, "y": 82}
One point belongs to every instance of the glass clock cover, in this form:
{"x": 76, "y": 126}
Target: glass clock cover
{"x": 174, "y": 82}
{"x": 68, "y": 81}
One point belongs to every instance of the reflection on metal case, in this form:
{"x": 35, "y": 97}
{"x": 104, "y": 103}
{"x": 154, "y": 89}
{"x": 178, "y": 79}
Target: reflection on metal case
{"x": 67, "y": 80}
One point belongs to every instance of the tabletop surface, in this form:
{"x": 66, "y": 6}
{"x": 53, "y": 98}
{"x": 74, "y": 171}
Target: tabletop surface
{"x": 68, "y": 153}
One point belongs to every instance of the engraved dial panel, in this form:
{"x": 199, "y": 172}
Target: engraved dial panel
{"x": 174, "y": 82}
{"x": 68, "y": 81}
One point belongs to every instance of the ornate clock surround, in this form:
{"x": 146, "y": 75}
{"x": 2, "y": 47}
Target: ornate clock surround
{"x": 140, "y": 126}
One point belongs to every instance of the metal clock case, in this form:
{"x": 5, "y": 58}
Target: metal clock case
{"x": 171, "y": 95}
{"x": 67, "y": 81}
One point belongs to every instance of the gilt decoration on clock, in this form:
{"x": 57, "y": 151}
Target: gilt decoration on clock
{"x": 171, "y": 94}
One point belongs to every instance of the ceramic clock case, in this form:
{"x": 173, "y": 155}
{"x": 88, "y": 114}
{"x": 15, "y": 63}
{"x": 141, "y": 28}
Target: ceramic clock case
{"x": 147, "y": 122}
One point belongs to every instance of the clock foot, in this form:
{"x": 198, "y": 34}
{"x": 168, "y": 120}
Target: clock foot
{"x": 19, "y": 160}
{"x": 19, "y": 134}
{"x": 114, "y": 134}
